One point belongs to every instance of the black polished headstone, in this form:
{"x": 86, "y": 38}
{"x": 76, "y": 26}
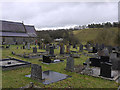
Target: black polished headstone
{"x": 46, "y": 59}
{"x": 105, "y": 69}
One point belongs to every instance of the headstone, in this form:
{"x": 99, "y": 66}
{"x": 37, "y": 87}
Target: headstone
{"x": 62, "y": 48}
{"x": 47, "y": 47}
{"x": 87, "y": 70}
{"x": 95, "y": 62}
{"x": 36, "y": 72}
{"x": 104, "y": 59}
{"x": 106, "y": 52}
{"x": 113, "y": 55}
{"x": 51, "y": 50}
{"x": 94, "y": 50}
{"x": 28, "y": 46}
{"x": 23, "y": 47}
{"x": 70, "y": 64}
{"x": 46, "y": 59}
{"x": 109, "y": 49}
{"x": 105, "y": 69}
{"x": 39, "y": 45}
{"x": 81, "y": 48}
{"x": 67, "y": 49}
{"x": 34, "y": 49}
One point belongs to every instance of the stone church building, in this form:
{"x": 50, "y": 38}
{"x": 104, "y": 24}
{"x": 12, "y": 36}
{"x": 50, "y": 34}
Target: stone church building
{"x": 16, "y": 33}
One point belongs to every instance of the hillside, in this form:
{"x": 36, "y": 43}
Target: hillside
{"x": 100, "y": 35}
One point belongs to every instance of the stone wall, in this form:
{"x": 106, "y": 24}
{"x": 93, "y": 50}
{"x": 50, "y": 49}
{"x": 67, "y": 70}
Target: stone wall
{"x": 19, "y": 40}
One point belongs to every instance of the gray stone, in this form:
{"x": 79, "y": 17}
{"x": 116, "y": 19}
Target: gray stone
{"x": 36, "y": 72}
{"x": 80, "y": 48}
{"x": 70, "y": 64}
{"x": 51, "y": 50}
{"x": 106, "y": 52}
{"x": 28, "y": 46}
{"x": 47, "y": 47}
{"x": 34, "y": 50}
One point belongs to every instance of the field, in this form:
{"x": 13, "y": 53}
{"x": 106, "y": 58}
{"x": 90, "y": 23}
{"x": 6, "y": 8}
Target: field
{"x": 16, "y": 78}
{"x": 99, "y": 35}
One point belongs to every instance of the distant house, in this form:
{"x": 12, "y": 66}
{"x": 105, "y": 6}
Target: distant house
{"x": 58, "y": 39}
{"x": 16, "y": 33}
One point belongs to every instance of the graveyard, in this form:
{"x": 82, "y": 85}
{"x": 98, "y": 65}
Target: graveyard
{"x": 65, "y": 74}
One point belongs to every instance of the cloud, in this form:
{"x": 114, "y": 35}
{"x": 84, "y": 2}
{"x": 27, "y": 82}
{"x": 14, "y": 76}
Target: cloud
{"x": 58, "y": 14}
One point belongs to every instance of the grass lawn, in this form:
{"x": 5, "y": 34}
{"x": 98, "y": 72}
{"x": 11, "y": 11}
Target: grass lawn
{"x": 16, "y": 78}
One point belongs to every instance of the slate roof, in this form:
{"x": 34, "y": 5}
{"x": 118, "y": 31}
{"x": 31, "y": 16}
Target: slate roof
{"x": 16, "y": 29}
{"x": 30, "y": 31}
{"x": 8, "y": 26}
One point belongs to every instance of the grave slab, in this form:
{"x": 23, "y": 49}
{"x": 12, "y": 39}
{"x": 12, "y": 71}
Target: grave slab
{"x": 51, "y": 77}
{"x": 12, "y": 63}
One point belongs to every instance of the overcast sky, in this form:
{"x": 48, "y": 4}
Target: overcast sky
{"x": 59, "y": 14}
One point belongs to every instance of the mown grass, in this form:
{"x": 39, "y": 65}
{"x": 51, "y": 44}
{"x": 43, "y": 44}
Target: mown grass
{"x": 16, "y": 78}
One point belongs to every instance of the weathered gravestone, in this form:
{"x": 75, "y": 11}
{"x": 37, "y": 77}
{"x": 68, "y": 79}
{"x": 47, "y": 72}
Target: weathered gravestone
{"x": 70, "y": 64}
{"x": 62, "y": 48}
{"x": 80, "y": 48}
{"x": 109, "y": 49}
{"x": 28, "y": 46}
{"x": 67, "y": 49}
{"x": 105, "y": 52}
{"x": 36, "y": 72}
{"x": 87, "y": 70}
{"x": 51, "y": 50}
{"x": 34, "y": 49}
{"x": 105, "y": 69}
{"x": 115, "y": 61}
{"x": 47, "y": 47}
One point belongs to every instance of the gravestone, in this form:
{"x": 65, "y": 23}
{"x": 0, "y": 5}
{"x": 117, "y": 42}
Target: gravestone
{"x": 62, "y": 48}
{"x": 70, "y": 64}
{"x": 36, "y": 72}
{"x": 113, "y": 55}
{"x": 67, "y": 49}
{"x": 28, "y": 46}
{"x": 100, "y": 53}
{"x": 46, "y": 59}
{"x": 94, "y": 50}
{"x": 105, "y": 69}
{"x": 34, "y": 49}
{"x": 87, "y": 70}
{"x": 105, "y": 52}
{"x": 109, "y": 49}
{"x": 39, "y": 45}
{"x": 95, "y": 62}
{"x": 23, "y": 47}
{"x": 47, "y": 47}
{"x": 51, "y": 50}
{"x": 88, "y": 47}
{"x": 80, "y": 48}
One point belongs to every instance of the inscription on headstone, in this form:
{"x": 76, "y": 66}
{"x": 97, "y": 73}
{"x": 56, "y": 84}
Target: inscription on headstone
{"x": 36, "y": 72}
